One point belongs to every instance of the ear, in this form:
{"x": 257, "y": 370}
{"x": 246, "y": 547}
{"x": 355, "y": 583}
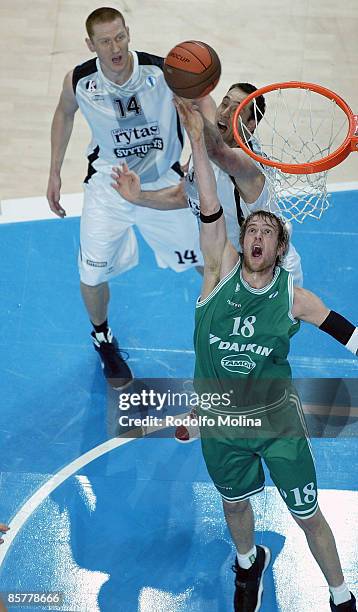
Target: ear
{"x": 280, "y": 250}
{"x": 251, "y": 125}
{"x": 128, "y": 34}
{"x": 90, "y": 45}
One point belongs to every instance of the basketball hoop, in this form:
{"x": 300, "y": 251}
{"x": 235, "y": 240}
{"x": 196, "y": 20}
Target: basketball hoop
{"x": 305, "y": 131}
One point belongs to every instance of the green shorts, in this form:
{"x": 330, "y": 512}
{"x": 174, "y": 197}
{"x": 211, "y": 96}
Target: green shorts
{"x": 234, "y": 462}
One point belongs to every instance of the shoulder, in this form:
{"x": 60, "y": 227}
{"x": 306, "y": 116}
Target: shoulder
{"x": 148, "y": 59}
{"x": 83, "y": 70}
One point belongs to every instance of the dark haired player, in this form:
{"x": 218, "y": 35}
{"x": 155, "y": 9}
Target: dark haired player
{"x": 241, "y": 185}
{"x": 128, "y": 106}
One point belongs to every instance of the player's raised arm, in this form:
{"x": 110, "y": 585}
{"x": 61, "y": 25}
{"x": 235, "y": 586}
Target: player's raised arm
{"x": 309, "y": 307}
{"x": 219, "y": 254}
{"x": 232, "y": 160}
{"x": 207, "y": 107}
{"x": 61, "y": 131}
{"x": 127, "y": 184}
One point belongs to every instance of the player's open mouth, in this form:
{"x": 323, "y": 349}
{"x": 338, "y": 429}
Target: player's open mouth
{"x": 117, "y": 59}
{"x": 256, "y": 251}
{"x": 222, "y": 127}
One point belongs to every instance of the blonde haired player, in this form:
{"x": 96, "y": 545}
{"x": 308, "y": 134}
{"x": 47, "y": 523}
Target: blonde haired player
{"x": 264, "y": 388}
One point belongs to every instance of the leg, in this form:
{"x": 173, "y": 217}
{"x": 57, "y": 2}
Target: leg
{"x": 236, "y": 470}
{"x": 108, "y": 247}
{"x": 248, "y": 582}
{"x": 96, "y": 301}
{"x": 322, "y": 545}
{"x": 240, "y": 520}
{"x": 292, "y": 469}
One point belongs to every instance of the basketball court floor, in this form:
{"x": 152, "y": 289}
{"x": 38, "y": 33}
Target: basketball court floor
{"x": 116, "y": 523}
{"x": 111, "y": 522}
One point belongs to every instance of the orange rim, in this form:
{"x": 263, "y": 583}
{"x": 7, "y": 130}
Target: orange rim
{"x": 349, "y": 144}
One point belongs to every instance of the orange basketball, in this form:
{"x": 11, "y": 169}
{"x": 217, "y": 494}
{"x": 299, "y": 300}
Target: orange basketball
{"x": 192, "y": 69}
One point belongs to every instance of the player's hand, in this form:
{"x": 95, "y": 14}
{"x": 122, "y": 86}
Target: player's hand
{"x": 53, "y": 196}
{"x": 190, "y": 117}
{"x": 3, "y": 529}
{"x": 126, "y": 183}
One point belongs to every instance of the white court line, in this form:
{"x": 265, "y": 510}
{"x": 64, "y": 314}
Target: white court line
{"x": 321, "y": 361}
{"x": 347, "y": 186}
{"x": 37, "y": 208}
{"x": 327, "y": 233}
{"x": 296, "y": 360}
{"x": 51, "y": 484}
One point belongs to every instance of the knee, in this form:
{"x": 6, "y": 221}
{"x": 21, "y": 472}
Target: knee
{"x": 232, "y": 508}
{"x": 93, "y": 288}
{"x": 313, "y": 524}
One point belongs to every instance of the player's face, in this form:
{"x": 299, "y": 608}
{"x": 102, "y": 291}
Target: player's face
{"x": 260, "y": 247}
{"x": 110, "y": 42}
{"x": 225, "y": 113}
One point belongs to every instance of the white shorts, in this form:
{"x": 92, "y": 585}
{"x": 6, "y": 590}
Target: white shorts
{"x": 108, "y": 245}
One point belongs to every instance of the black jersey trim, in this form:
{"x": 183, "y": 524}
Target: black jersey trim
{"x": 239, "y": 213}
{"x": 83, "y": 70}
{"x": 177, "y": 168}
{"x": 91, "y": 159}
{"x": 147, "y": 59}
{"x": 180, "y": 131}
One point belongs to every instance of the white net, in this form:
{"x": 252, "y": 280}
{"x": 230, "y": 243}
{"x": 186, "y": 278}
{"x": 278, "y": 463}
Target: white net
{"x": 299, "y": 126}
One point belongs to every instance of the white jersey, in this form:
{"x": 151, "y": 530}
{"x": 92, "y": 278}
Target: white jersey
{"x": 135, "y": 122}
{"x": 225, "y": 190}
{"x": 236, "y": 210}
{"x": 234, "y": 207}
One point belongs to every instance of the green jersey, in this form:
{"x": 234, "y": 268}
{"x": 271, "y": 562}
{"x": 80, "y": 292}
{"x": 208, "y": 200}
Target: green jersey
{"x": 242, "y": 339}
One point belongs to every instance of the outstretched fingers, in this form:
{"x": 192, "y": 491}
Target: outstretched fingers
{"x": 190, "y": 117}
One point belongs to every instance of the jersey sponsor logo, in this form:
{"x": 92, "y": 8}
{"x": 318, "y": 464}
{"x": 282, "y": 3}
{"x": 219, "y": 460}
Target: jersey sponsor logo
{"x": 273, "y": 295}
{"x": 241, "y": 363}
{"x": 250, "y": 347}
{"x": 237, "y": 288}
{"x": 135, "y": 135}
{"x": 140, "y": 150}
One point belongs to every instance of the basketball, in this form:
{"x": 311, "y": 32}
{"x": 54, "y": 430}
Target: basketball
{"x": 192, "y": 69}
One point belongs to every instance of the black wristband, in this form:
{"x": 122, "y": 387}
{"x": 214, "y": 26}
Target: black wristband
{"x": 211, "y": 218}
{"x": 337, "y": 326}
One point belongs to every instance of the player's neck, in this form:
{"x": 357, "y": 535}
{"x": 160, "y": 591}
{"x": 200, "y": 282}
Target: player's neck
{"x": 124, "y": 75}
{"x": 257, "y": 279}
